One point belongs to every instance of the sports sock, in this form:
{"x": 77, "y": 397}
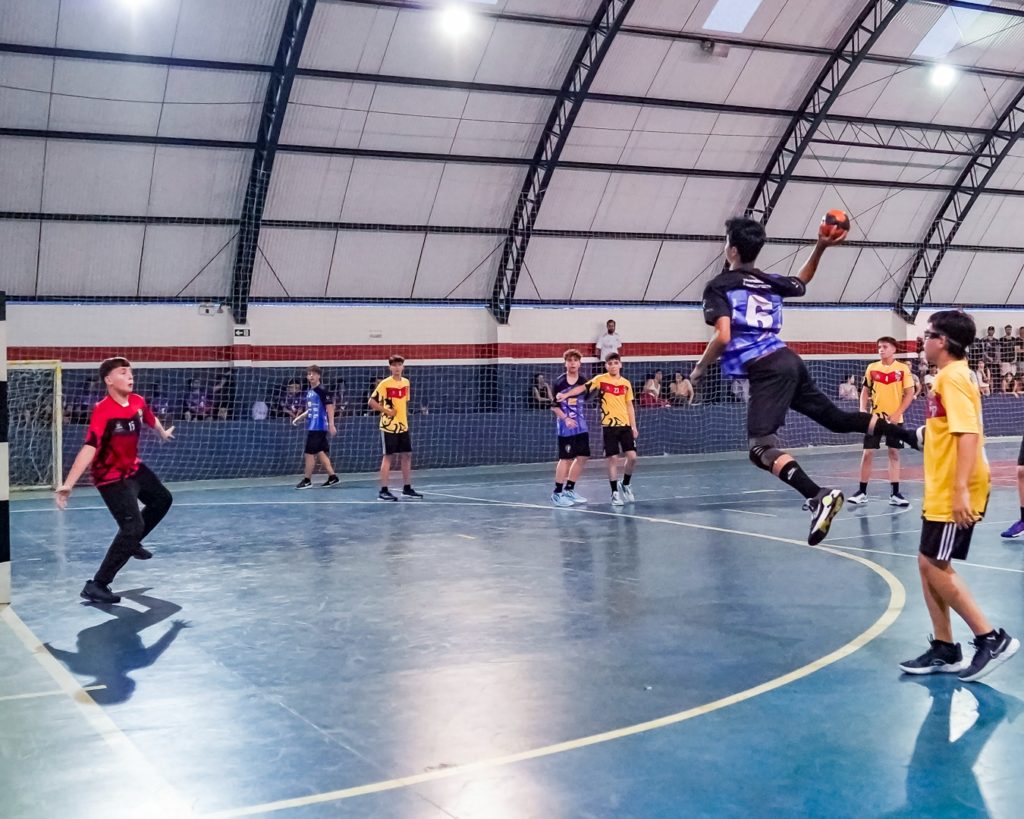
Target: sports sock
{"x": 1022, "y": 513}
{"x": 863, "y": 488}
{"x": 896, "y": 488}
{"x": 558, "y": 488}
{"x": 407, "y": 488}
{"x": 570, "y": 485}
{"x": 615, "y": 485}
{"x": 795, "y": 476}
{"x": 626, "y": 478}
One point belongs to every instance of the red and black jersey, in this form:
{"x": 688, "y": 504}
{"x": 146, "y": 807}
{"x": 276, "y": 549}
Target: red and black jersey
{"x": 114, "y": 431}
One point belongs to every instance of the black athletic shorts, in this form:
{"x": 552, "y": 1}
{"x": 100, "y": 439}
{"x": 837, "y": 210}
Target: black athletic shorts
{"x": 1020, "y": 455}
{"x": 316, "y": 442}
{"x": 944, "y": 541}
{"x": 395, "y": 442}
{"x": 779, "y": 382}
{"x": 875, "y": 441}
{"x": 618, "y": 439}
{"x": 574, "y": 446}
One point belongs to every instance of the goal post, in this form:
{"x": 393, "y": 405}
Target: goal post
{"x": 5, "y": 529}
{"x": 35, "y": 424}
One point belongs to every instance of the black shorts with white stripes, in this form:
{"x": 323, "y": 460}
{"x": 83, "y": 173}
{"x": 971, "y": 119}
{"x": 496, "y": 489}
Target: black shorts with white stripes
{"x": 944, "y": 541}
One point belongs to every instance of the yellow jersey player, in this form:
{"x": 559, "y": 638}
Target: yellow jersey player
{"x": 888, "y": 390}
{"x": 956, "y": 487}
{"x": 391, "y": 399}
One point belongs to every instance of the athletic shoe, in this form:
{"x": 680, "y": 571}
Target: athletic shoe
{"x": 1014, "y": 531}
{"x": 806, "y": 505}
{"x": 561, "y": 499}
{"x": 895, "y": 499}
{"x": 627, "y": 494}
{"x": 331, "y": 480}
{"x": 142, "y": 553}
{"x": 305, "y": 483}
{"x": 824, "y": 508}
{"x": 411, "y": 494}
{"x": 940, "y": 658}
{"x": 617, "y": 499}
{"x": 991, "y": 652}
{"x": 98, "y": 593}
{"x": 919, "y": 437}
{"x": 385, "y": 495}
{"x": 572, "y": 496}
{"x": 858, "y": 498}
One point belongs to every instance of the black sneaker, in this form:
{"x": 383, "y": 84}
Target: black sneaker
{"x": 824, "y": 508}
{"x": 991, "y": 652}
{"x": 385, "y": 495}
{"x": 940, "y": 658}
{"x": 331, "y": 480}
{"x": 142, "y": 553}
{"x": 305, "y": 483}
{"x": 412, "y": 494}
{"x": 98, "y": 593}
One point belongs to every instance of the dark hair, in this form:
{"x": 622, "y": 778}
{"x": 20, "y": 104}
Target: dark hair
{"x": 957, "y": 327}
{"x": 746, "y": 235}
{"x": 396, "y": 359}
{"x": 613, "y": 357}
{"x": 109, "y": 365}
{"x": 312, "y": 368}
{"x": 887, "y": 340}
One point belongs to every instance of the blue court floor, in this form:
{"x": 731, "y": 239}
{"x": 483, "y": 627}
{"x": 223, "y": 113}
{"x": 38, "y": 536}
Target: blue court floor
{"x": 482, "y": 655}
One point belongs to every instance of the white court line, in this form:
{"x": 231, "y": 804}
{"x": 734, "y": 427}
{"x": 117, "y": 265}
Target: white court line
{"x": 373, "y": 502}
{"x": 163, "y": 800}
{"x": 914, "y": 556}
{"x": 897, "y": 599}
{"x": 896, "y": 512}
{"x": 39, "y": 694}
{"x": 748, "y": 512}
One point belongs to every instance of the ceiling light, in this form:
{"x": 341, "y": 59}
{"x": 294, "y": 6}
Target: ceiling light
{"x": 455, "y": 20}
{"x": 943, "y": 76}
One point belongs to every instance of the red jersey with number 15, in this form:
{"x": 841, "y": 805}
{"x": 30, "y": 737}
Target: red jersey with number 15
{"x": 114, "y": 431}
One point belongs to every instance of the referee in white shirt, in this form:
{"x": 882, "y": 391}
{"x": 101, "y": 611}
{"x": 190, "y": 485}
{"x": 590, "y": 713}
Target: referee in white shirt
{"x": 607, "y": 344}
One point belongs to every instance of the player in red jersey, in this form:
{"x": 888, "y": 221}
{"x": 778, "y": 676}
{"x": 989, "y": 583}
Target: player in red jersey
{"x": 112, "y": 450}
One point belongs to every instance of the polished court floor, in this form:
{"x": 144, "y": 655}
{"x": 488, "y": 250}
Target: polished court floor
{"x": 482, "y": 655}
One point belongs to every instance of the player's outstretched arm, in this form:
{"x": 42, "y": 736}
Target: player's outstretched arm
{"x": 299, "y": 418}
{"x": 166, "y": 434}
{"x": 820, "y": 246}
{"x": 719, "y": 341}
{"x": 577, "y": 390}
{"x": 82, "y": 461}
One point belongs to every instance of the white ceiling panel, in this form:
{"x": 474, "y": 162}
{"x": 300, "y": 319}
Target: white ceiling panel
{"x": 1016, "y": 296}
{"x": 946, "y": 284}
{"x": 417, "y": 48}
{"x": 1010, "y": 173}
{"x": 397, "y": 132}
{"x": 199, "y": 182}
{"x": 106, "y": 97}
{"x": 631, "y": 65}
{"x": 834, "y": 272}
{"x": 572, "y": 200}
{"x": 213, "y": 104}
{"x": 187, "y": 260}
{"x": 527, "y": 54}
{"x": 634, "y": 203}
{"x": 326, "y": 112}
{"x": 990, "y": 278}
{"x": 457, "y": 266}
{"x": 668, "y": 137}
{"x": 993, "y": 221}
{"x": 903, "y": 34}
{"x": 880, "y": 165}
{"x": 20, "y": 241}
{"x": 234, "y": 30}
{"x": 374, "y": 265}
{"x": 478, "y": 137}
{"x": 667, "y": 15}
{"x": 476, "y": 195}
{"x": 601, "y": 132}
{"x": 25, "y": 95}
{"x": 306, "y": 187}
{"x": 89, "y": 259}
{"x": 904, "y": 217}
{"x": 95, "y": 177}
{"x": 878, "y": 276}
{"x": 296, "y": 260}
{"x": 551, "y": 267}
{"x": 810, "y": 22}
{"x": 705, "y": 204}
{"x": 21, "y": 169}
{"x": 348, "y": 38}
{"x": 615, "y": 267}
{"x": 571, "y": 9}
{"x": 774, "y": 79}
{"x": 391, "y": 192}
{"x": 107, "y": 25}
{"x": 682, "y": 270}
{"x": 32, "y": 22}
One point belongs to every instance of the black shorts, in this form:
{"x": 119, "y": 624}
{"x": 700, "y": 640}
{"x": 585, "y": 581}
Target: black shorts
{"x": 779, "y": 382}
{"x": 875, "y": 441}
{"x": 316, "y": 442}
{"x": 944, "y": 541}
{"x": 1020, "y": 455}
{"x": 618, "y": 439}
{"x": 574, "y": 446}
{"x": 395, "y": 442}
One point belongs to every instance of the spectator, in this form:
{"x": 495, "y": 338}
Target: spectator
{"x": 680, "y": 391}
{"x": 917, "y": 385}
{"x": 1018, "y": 351}
{"x": 260, "y": 410}
{"x": 293, "y": 401}
{"x": 340, "y": 404}
{"x": 741, "y": 390}
{"x": 849, "y": 390}
{"x": 652, "y": 386}
{"x": 982, "y": 378}
{"x": 1008, "y": 351}
{"x": 223, "y": 397}
{"x": 659, "y": 379}
{"x": 989, "y": 346}
{"x": 1010, "y": 385}
{"x": 160, "y": 404}
{"x": 929, "y": 380}
{"x": 541, "y": 396}
{"x": 197, "y": 405}
{"x": 922, "y": 362}
{"x": 649, "y": 399}
{"x": 608, "y": 343}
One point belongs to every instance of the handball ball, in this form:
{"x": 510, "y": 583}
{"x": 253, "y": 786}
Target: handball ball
{"x": 833, "y": 223}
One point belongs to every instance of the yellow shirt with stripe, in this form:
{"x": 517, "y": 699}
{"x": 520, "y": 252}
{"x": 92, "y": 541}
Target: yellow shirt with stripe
{"x": 954, "y": 407}
{"x": 616, "y": 396}
{"x": 395, "y": 395}
{"x": 886, "y": 383}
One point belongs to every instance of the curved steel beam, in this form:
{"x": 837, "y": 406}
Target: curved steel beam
{"x": 279, "y": 89}
{"x": 828, "y": 85}
{"x": 972, "y": 183}
{"x": 600, "y": 34}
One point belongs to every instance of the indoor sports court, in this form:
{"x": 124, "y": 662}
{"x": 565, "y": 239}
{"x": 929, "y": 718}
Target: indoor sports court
{"x": 429, "y": 444}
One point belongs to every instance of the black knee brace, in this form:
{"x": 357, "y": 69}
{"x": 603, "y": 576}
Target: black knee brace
{"x": 764, "y": 457}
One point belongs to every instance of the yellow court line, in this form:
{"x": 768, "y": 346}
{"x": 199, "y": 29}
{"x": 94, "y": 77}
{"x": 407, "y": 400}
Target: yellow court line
{"x": 897, "y": 599}
{"x": 163, "y": 801}
{"x": 39, "y": 694}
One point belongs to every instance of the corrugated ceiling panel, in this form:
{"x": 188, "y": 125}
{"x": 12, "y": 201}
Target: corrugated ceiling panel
{"x": 989, "y": 279}
{"x": 572, "y": 200}
{"x": 89, "y": 260}
{"x": 667, "y": 15}
{"x": 773, "y": 79}
{"x": 877, "y": 276}
{"x": 476, "y": 196}
{"x": 572, "y": 9}
{"x": 213, "y": 104}
{"x": 811, "y": 22}
{"x": 236, "y": 30}
{"x": 93, "y": 177}
{"x": 25, "y": 99}
{"x": 993, "y": 220}
{"x": 187, "y": 260}
{"x": 834, "y": 272}
{"x": 374, "y": 265}
{"x": 21, "y": 174}
{"x": 481, "y": 131}
{"x": 705, "y": 204}
{"x": 298, "y": 260}
{"x": 527, "y": 54}
{"x": 683, "y": 269}
{"x": 20, "y": 241}
{"x": 348, "y": 38}
{"x": 418, "y": 49}
{"x": 1016, "y": 295}
{"x": 457, "y": 267}
{"x": 616, "y": 267}
{"x": 880, "y": 165}
{"x": 32, "y": 22}
{"x": 391, "y": 192}
{"x": 635, "y": 203}
{"x": 601, "y": 132}
{"x": 146, "y": 28}
{"x": 631, "y": 65}
{"x": 308, "y": 187}
{"x": 325, "y": 112}
{"x": 106, "y": 97}
{"x": 947, "y": 281}
{"x": 1011, "y": 172}
{"x": 199, "y": 182}
{"x": 550, "y": 269}
{"x": 904, "y": 33}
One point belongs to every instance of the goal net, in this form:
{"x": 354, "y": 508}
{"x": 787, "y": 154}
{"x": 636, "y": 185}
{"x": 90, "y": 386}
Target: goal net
{"x": 36, "y": 420}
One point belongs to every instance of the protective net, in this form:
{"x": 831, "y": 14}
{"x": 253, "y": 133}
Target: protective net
{"x": 35, "y": 419}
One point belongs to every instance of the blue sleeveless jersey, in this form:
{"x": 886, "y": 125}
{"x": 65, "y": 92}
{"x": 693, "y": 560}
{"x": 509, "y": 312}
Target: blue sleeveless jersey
{"x": 572, "y": 407}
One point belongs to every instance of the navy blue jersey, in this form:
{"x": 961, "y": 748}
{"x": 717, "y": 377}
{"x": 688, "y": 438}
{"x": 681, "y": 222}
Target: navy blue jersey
{"x": 572, "y": 407}
{"x": 753, "y": 302}
{"x": 317, "y": 401}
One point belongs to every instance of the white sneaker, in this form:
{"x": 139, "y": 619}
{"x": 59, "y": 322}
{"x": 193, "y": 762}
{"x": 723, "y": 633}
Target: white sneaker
{"x": 571, "y": 495}
{"x": 858, "y": 499}
{"x": 560, "y": 499}
{"x": 627, "y": 494}
{"x": 896, "y": 499}
{"x": 617, "y": 499}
